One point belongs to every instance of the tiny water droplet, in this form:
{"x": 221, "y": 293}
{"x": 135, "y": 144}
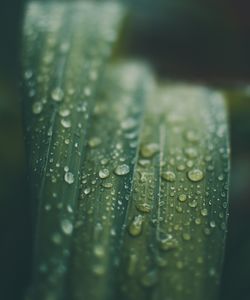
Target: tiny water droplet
{"x": 186, "y": 236}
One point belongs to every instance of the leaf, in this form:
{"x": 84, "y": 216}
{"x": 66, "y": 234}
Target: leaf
{"x": 177, "y": 215}
{"x": 107, "y": 176}
{"x": 65, "y": 47}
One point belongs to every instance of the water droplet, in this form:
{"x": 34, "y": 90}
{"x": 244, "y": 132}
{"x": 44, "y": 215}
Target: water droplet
{"x": 122, "y": 170}
{"x": 150, "y": 278}
{"x": 186, "y": 236}
{"x": 212, "y": 224}
{"x": 182, "y": 198}
{"x": 99, "y": 251}
{"x": 149, "y": 150}
{"x": 57, "y": 94}
{"x": 64, "y": 112}
{"x": 135, "y": 227}
{"x": 69, "y": 177}
{"x": 169, "y": 176}
{"x": 94, "y": 142}
{"x": 128, "y": 124}
{"x": 104, "y": 173}
{"x": 204, "y": 212}
{"x": 67, "y": 226}
{"x": 98, "y": 270}
{"x": 66, "y": 123}
{"x": 56, "y": 238}
{"x": 143, "y": 207}
{"x": 191, "y": 152}
{"x": 87, "y": 191}
{"x": 168, "y": 243}
{"x": 195, "y": 175}
{"x": 191, "y": 136}
{"x": 193, "y": 204}
{"x": 37, "y": 108}
{"x": 107, "y": 185}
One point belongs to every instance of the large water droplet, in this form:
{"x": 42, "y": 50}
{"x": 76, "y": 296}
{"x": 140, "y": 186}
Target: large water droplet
{"x": 67, "y": 226}
{"x": 69, "y": 177}
{"x": 135, "y": 227}
{"x": 149, "y": 150}
{"x": 168, "y": 176}
{"x": 57, "y": 94}
{"x": 122, "y": 170}
{"x": 195, "y": 175}
{"x": 37, "y": 108}
{"x": 104, "y": 173}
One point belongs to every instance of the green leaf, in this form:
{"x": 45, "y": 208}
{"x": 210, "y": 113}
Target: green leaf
{"x": 65, "y": 47}
{"x": 177, "y": 216}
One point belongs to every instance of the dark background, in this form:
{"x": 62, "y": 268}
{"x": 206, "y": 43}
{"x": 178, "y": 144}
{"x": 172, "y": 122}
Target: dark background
{"x": 193, "y": 40}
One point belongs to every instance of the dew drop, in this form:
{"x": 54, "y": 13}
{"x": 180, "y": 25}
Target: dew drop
{"x": 69, "y": 177}
{"x": 64, "y": 112}
{"x": 94, "y": 142}
{"x": 204, "y": 212}
{"x": 37, "y": 108}
{"x": 168, "y": 243}
{"x": 122, "y": 170}
{"x": 186, "y": 236}
{"x": 66, "y": 123}
{"x": 182, "y": 198}
{"x": 57, "y": 94}
{"x": 104, "y": 173}
{"x": 149, "y": 150}
{"x": 169, "y": 176}
{"x": 67, "y": 226}
{"x": 195, "y": 175}
{"x": 135, "y": 227}
{"x": 143, "y": 207}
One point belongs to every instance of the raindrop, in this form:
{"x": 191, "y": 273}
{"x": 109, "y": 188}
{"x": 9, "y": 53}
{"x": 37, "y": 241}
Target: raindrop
{"x": 66, "y": 123}
{"x": 104, "y": 173}
{"x": 182, "y": 198}
{"x": 143, "y": 207}
{"x": 67, "y": 226}
{"x": 69, "y": 177}
{"x": 94, "y": 142}
{"x": 135, "y": 228}
{"x": 168, "y": 243}
{"x": 149, "y": 150}
{"x": 37, "y": 108}
{"x": 169, "y": 176}
{"x": 122, "y": 170}
{"x": 195, "y": 175}
{"x": 57, "y": 94}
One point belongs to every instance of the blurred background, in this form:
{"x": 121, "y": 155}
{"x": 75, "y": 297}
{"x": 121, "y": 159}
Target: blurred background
{"x": 201, "y": 41}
